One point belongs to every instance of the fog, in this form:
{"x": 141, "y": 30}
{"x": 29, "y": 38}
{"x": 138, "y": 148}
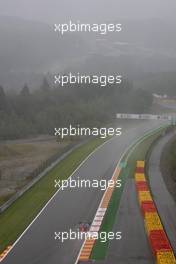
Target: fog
{"x": 32, "y": 54}
{"x": 29, "y": 48}
{"x": 62, "y": 10}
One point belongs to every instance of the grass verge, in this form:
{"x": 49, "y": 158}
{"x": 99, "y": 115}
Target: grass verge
{"x": 20, "y": 214}
{"x": 100, "y": 249}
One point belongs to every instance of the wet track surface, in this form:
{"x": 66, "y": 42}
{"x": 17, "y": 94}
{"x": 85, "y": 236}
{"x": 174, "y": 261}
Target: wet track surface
{"x": 165, "y": 204}
{"x": 69, "y": 207}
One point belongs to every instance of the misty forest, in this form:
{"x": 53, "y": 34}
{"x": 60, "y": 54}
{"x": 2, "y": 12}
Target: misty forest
{"x": 31, "y": 105}
{"x": 27, "y": 113}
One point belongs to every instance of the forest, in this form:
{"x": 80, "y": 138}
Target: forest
{"x": 32, "y": 112}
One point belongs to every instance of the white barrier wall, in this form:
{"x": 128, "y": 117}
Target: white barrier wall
{"x": 143, "y": 116}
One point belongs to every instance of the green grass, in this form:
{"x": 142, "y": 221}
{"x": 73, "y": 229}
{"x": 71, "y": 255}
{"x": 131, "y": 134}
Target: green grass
{"x": 137, "y": 152}
{"x": 100, "y": 249}
{"x": 20, "y": 214}
{"x": 4, "y": 198}
{"x": 141, "y": 151}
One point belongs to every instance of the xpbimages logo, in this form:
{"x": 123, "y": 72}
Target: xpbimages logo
{"x": 102, "y": 132}
{"x": 101, "y": 80}
{"x": 73, "y": 235}
{"x": 101, "y": 29}
{"x": 87, "y": 183}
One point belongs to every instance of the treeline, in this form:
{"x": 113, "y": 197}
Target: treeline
{"x": 39, "y": 112}
{"x": 172, "y": 160}
{"x": 168, "y": 165}
{"x": 160, "y": 83}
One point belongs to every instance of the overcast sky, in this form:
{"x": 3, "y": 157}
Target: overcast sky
{"x": 62, "y": 10}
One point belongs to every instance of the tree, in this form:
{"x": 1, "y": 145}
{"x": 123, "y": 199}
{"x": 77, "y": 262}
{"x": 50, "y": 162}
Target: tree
{"x": 24, "y": 103}
{"x": 25, "y": 91}
{"x": 3, "y": 100}
{"x": 45, "y": 85}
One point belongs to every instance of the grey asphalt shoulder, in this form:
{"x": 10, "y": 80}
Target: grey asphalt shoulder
{"x": 165, "y": 204}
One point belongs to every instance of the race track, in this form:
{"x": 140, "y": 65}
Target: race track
{"x": 69, "y": 207}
